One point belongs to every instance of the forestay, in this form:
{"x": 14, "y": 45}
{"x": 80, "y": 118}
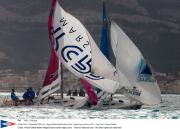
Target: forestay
{"x": 130, "y": 61}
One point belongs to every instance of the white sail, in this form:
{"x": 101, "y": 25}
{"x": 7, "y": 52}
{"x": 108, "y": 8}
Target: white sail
{"x": 49, "y": 89}
{"x": 107, "y": 69}
{"x": 74, "y": 49}
{"x": 52, "y": 80}
{"x": 130, "y": 61}
{"x": 100, "y": 64}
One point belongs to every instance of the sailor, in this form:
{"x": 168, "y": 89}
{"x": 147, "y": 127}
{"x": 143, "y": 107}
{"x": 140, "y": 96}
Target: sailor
{"x": 75, "y": 93}
{"x": 14, "y": 98}
{"x": 111, "y": 97}
{"x": 32, "y": 95}
{"x": 26, "y": 97}
{"x": 69, "y": 93}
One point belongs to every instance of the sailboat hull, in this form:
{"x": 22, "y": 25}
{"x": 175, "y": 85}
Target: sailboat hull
{"x": 77, "y": 102}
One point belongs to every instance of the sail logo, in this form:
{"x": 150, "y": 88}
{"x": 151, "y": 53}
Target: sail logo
{"x": 146, "y": 78}
{"x": 94, "y": 77}
{"x": 83, "y": 65}
{"x": 145, "y": 73}
{"x": 73, "y": 44}
{"x": 4, "y": 124}
{"x": 132, "y": 91}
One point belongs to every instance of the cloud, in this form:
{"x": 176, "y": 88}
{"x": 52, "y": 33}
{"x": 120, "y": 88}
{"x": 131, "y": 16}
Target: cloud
{"x": 10, "y": 16}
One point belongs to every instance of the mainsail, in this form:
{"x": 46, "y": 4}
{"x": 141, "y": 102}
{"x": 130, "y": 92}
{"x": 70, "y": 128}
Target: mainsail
{"x": 106, "y": 49}
{"x": 74, "y": 47}
{"x": 52, "y": 79}
{"x": 130, "y": 61}
{"x": 104, "y": 44}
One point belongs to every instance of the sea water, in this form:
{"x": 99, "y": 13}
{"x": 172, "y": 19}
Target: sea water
{"x": 168, "y": 109}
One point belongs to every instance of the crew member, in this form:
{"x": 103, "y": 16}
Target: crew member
{"x": 14, "y": 98}
{"x": 26, "y": 97}
{"x": 32, "y": 95}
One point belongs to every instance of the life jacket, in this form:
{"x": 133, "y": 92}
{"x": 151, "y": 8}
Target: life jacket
{"x": 26, "y": 95}
{"x": 32, "y": 94}
{"x": 13, "y": 96}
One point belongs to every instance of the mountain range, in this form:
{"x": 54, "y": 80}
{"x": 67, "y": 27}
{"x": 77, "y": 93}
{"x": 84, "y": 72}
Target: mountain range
{"x": 154, "y": 26}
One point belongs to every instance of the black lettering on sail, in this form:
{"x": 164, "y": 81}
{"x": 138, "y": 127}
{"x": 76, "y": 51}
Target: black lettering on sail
{"x": 56, "y": 30}
{"x": 63, "y": 21}
{"x": 71, "y": 30}
{"x": 78, "y": 39}
{"x": 58, "y": 37}
{"x": 94, "y": 77}
{"x": 83, "y": 65}
{"x": 57, "y": 40}
{"x": 86, "y": 44}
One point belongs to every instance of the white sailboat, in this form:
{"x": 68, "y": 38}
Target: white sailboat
{"x": 76, "y": 49}
{"x": 80, "y": 54}
{"x": 107, "y": 52}
{"x": 52, "y": 81}
{"x": 129, "y": 60}
{"x": 140, "y": 86}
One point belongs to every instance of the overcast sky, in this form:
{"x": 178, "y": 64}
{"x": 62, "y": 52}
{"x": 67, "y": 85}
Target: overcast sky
{"x": 154, "y": 26}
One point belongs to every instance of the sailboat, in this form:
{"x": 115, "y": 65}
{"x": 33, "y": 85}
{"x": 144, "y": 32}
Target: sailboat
{"x": 140, "y": 87}
{"x": 106, "y": 50}
{"x": 79, "y": 53}
{"x": 52, "y": 85}
{"x": 73, "y": 45}
{"x": 129, "y": 60}
{"x": 52, "y": 81}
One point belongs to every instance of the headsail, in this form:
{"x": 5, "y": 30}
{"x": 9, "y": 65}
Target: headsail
{"x": 52, "y": 79}
{"x": 74, "y": 48}
{"x": 130, "y": 61}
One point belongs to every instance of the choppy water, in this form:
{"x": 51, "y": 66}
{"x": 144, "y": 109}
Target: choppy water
{"x": 169, "y": 109}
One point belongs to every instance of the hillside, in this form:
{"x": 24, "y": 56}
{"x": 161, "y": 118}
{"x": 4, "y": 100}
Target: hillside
{"x": 153, "y": 25}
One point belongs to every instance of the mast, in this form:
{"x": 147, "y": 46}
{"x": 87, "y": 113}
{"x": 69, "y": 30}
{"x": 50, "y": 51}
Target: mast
{"x": 104, "y": 43}
{"x": 62, "y": 91}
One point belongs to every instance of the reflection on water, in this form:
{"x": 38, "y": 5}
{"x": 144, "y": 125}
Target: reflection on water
{"x": 168, "y": 109}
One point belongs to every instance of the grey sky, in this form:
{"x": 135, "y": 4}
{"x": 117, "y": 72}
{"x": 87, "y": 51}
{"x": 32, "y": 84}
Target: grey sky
{"x": 153, "y": 25}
